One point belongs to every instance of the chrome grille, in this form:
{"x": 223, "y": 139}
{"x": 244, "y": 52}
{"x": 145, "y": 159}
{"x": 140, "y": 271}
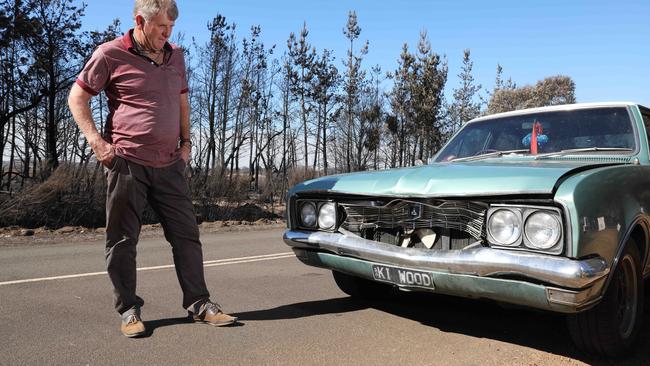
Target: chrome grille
{"x": 464, "y": 216}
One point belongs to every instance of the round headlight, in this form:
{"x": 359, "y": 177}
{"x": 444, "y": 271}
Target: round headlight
{"x": 505, "y": 227}
{"x": 327, "y": 216}
{"x": 542, "y": 230}
{"x": 308, "y": 214}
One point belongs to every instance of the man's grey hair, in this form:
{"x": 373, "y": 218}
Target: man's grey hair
{"x": 150, "y": 8}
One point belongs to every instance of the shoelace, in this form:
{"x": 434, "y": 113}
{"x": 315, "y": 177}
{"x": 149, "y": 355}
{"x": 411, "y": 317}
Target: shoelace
{"x": 132, "y": 319}
{"x": 213, "y": 306}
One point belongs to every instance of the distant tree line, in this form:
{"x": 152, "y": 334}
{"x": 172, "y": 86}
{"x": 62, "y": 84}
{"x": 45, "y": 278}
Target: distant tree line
{"x": 263, "y": 117}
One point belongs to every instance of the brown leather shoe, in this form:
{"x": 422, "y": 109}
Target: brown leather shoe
{"x": 132, "y": 325}
{"x": 210, "y": 313}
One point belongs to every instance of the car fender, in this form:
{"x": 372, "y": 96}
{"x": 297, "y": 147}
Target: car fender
{"x": 604, "y": 207}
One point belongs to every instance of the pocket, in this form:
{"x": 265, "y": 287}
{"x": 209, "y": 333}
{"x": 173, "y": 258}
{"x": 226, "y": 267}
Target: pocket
{"x": 181, "y": 165}
{"x": 114, "y": 164}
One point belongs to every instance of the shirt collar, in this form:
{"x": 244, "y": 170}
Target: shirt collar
{"x": 127, "y": 40}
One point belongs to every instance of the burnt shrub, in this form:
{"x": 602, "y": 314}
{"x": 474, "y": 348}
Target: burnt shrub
{"x": 67, "y": 197}
{"x": 76, "y": 196}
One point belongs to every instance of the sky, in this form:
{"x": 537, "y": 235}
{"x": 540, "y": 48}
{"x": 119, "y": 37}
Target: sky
{"x": 604, "y": 46}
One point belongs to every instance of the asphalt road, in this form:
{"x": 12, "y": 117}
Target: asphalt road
{"x": 56, "y": 309}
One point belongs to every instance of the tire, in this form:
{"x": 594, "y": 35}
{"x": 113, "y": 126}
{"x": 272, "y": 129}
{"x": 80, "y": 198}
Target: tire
{"x": 361, "y": 288}
{"x": 611, "y": 328}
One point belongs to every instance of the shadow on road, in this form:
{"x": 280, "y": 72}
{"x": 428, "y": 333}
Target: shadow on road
{"x": 152, "y": 325}
{"x": 539, "y": 330}
{"x": 304, "y": 309}
{"x": 544, "y": 331}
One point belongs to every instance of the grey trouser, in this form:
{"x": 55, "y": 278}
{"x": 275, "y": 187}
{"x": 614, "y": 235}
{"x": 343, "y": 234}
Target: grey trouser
{"x": 129, "y": 187}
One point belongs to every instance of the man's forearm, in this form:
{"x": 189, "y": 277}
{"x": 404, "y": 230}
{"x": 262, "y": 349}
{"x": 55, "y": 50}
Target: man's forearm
{"x": 78, "y": 101}
{"x": 82, "y": 114}
{"x": 185, "y": 117}
{"x": 186, "y": 144}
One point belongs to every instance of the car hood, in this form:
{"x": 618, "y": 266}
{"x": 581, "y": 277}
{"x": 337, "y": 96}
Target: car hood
{"x": 476, "y": 178}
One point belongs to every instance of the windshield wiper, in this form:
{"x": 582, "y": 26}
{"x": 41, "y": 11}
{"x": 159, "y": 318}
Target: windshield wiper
{"x": 580, "y": 150}
{"x": 491, "y": 154}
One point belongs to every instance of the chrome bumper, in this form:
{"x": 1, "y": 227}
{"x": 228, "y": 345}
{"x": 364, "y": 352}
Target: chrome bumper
{"x": 474, "y": 260}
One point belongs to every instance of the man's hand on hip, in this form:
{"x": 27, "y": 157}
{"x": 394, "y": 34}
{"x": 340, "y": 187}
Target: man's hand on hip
{"x": 185, "y": 152}
{"x": 104, "y": 151}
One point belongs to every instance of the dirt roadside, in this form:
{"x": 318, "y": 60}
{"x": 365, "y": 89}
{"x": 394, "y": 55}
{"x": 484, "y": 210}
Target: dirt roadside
{"x": 15, "y": 236}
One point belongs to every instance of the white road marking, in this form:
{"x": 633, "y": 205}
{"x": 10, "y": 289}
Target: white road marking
{"x": 213, "y": 263}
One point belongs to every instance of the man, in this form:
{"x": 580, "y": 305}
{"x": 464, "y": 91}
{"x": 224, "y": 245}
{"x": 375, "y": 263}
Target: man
{"x": 144, "y": 152}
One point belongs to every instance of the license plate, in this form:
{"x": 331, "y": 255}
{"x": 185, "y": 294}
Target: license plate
{"x": 402, "y": 277}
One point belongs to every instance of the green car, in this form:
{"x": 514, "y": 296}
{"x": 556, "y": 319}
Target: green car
{"x": 545, "y": 208}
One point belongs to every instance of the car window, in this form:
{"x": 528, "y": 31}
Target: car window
{"x": 474, "y": 140}
{"x": 607, "y": 127}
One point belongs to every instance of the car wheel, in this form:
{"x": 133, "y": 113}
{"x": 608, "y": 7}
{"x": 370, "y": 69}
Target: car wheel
{"x": 361, "y": 288}
{"x": 611, "y": 327}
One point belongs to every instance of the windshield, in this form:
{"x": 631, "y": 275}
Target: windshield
{"x": 546, "y": 132}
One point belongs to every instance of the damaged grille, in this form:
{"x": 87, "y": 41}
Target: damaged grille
{"x": 430, "y": 224}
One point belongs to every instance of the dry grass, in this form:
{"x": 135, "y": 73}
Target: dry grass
{"x": 74, "y": 197}
{"x": 63, "y": 198}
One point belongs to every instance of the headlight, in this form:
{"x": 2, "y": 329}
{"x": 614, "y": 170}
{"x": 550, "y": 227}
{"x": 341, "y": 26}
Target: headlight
{"x": 308, "y": 214}
{"x": 542, "y": 230}
{"x": 505, "y": 227}
{"x": 327, "y": 216}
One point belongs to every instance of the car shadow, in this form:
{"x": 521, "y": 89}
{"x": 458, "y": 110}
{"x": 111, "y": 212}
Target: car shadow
{"x": 544, "y": 331}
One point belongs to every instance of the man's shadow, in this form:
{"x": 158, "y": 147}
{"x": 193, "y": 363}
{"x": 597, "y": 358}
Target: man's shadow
{"x": 290, "y": 311}
{"x": 152, "y": 325}
{"x": 305, "y": 309}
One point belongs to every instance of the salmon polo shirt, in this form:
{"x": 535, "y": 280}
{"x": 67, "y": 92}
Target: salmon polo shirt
{"x": 143, "y": 122}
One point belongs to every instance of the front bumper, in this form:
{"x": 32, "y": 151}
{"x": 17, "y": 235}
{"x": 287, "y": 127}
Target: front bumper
{"x": 542, "y": 281}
